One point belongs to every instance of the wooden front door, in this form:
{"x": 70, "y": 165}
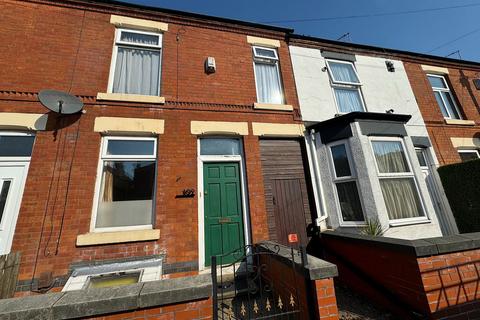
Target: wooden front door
{"x": 289, "y": 212}
{"x": 222, "y": 210}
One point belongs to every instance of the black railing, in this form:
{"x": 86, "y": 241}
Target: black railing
{"x": 259, "y": 283}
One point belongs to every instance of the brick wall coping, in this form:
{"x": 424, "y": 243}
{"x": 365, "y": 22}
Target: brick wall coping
{"x": 419, "y": 247}
{"x": 315, "y": 268}
{"x": 91, "y": 302}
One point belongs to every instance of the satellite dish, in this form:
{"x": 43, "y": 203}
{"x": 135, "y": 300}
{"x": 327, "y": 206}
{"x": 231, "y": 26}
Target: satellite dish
{"x": 60, "y": 102}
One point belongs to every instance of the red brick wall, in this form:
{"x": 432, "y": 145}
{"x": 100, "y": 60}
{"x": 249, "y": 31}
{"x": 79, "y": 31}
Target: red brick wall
{"x": 326, "y": 299}
{"x": 468, "y": 100}
{"x": 452, "y": 282}
{"x": 439, "y": 286}
{"x": 196, "y": 310}
{"x": 45, "y": 47}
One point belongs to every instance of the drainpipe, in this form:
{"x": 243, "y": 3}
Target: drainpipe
{"x": 320, "y": 198}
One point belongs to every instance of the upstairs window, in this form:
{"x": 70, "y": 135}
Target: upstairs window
{"x": 444, "y": 97}
{"x": 136, "y": 63}
{"x": 346, "y": 184}
{"x": 126, "y": 191}
{"x": 267, "y": 76}
{"x": 468, "y": 155}
{"x": 397, "y": 180}
{"x": 346, "y": 86}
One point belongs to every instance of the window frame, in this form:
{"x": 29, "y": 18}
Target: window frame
{"x": 423, "y": 152}
{"x": 345, "y": 85}
{"x": 98, "y": 183}
{"x": 400, "y": 175}
{"x": 448, "y": 91}
{"x": 18, "y": 134}
{"x": 469, "y": 151}
{"x": 273, "y": 61}
{"x": 118, "y": 43}
{"x": 352, "y": 178}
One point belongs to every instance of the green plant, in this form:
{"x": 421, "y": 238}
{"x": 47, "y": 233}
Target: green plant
{"x": 373, "y": 228}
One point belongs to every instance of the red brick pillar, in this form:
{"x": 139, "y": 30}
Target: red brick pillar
{"x": 326, "y": 300}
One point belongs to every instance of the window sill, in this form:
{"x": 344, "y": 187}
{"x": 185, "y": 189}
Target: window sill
{"x": 408, "y": 223}
{"x": 359, "y": 225}
{"x": 271, "y": 106}
{"x": 95, "y": 238}
{"x": 130, "y": 98}
{"x": 460, "y": 122}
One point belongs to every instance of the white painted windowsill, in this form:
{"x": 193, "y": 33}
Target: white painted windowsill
{"x": 460, "y": 122}
{"x": 130, "y": 98}
{"x": 272, "y": 106}
{"x": 95, "y": 238}
{"x": 407, "y": 223}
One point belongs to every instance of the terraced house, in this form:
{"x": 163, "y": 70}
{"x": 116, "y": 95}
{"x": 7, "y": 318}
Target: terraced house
{"x": 140, "y": 147}
{"x": 189, "y": 122}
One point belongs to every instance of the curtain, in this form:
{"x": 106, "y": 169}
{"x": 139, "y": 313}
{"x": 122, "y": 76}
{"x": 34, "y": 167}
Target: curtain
{"x": 137, "y": 71}
{"x": 349, "y": 201}
{"x": 268, "y": 86}
{"x": 107, "y": 184}
{"x": 343, "y": 72}
{"x": 390, "y": 157}
{"x": 348, "y": 100}
{"x": 401, "y": 198}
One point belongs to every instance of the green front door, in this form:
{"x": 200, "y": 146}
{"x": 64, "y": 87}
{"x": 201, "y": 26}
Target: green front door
{"x": 223, "y": 210}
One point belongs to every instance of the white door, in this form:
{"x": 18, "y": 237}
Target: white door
{"x": 12, "y": 179}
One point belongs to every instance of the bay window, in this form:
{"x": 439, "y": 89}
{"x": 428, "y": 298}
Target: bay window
{"x": 444, "y": 97}
{"x": 136, "y": 65}
{"x": 397, "y": 180}
{"x": 346, "y": 86}
{"x": 127, "y": 172}
{"x": 346, "y": 184}
{"x": 267, "y": 76}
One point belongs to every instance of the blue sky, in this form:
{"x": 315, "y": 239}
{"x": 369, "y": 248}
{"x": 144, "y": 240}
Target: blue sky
{"x": 419, "y": 32}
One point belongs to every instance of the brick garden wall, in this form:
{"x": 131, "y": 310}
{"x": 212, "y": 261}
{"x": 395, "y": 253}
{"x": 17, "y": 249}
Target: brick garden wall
{"x": 69, "y": 48}
{"x": 408, "y": 277}
{"x": 196, "y": 310}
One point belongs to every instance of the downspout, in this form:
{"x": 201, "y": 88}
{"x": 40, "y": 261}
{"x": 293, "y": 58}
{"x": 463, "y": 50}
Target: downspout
{"x": 320, "y": 198}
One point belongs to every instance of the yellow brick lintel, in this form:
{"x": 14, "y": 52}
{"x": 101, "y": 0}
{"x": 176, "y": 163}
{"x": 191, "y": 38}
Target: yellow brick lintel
{"x": 135, "y": 125}
{"x": 127, "y": 22}
{"x": 278, "y": 129}
{"x": 270, "y": 106}
{"x": 130, "y": 98}
{"x": 434, "y": 69}
{"x": 95, "y": 238}
{"x": 272, "y": 43}
{"x": 219, "y": 127}
{"x": 23, "y": 121}
{"x": 465, "y": 142}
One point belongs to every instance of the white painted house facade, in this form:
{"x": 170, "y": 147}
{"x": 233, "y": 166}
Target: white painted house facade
{"x": 369, "y": 151}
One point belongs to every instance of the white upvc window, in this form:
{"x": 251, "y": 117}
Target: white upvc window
{"x": 444, "y": 97}
{"x": 345, "y": 182}
{"x": 397, "y": 180}
{"x": 346, "y": 86}
{"x": 136, "y": 63}
{"x": 16, "y": 146}
{"x": 267, "y": 75}
{"x": 468, "y": 154}
{"x": 125, "y": 196}
{"x": 421, "y": 157}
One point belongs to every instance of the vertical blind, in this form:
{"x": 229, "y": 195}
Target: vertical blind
{"x": 348, "y": 100}
{"x": 343, "y": 72}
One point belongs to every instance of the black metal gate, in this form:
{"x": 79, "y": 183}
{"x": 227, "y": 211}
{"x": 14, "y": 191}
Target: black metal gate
{"x": 259, "y": 284}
